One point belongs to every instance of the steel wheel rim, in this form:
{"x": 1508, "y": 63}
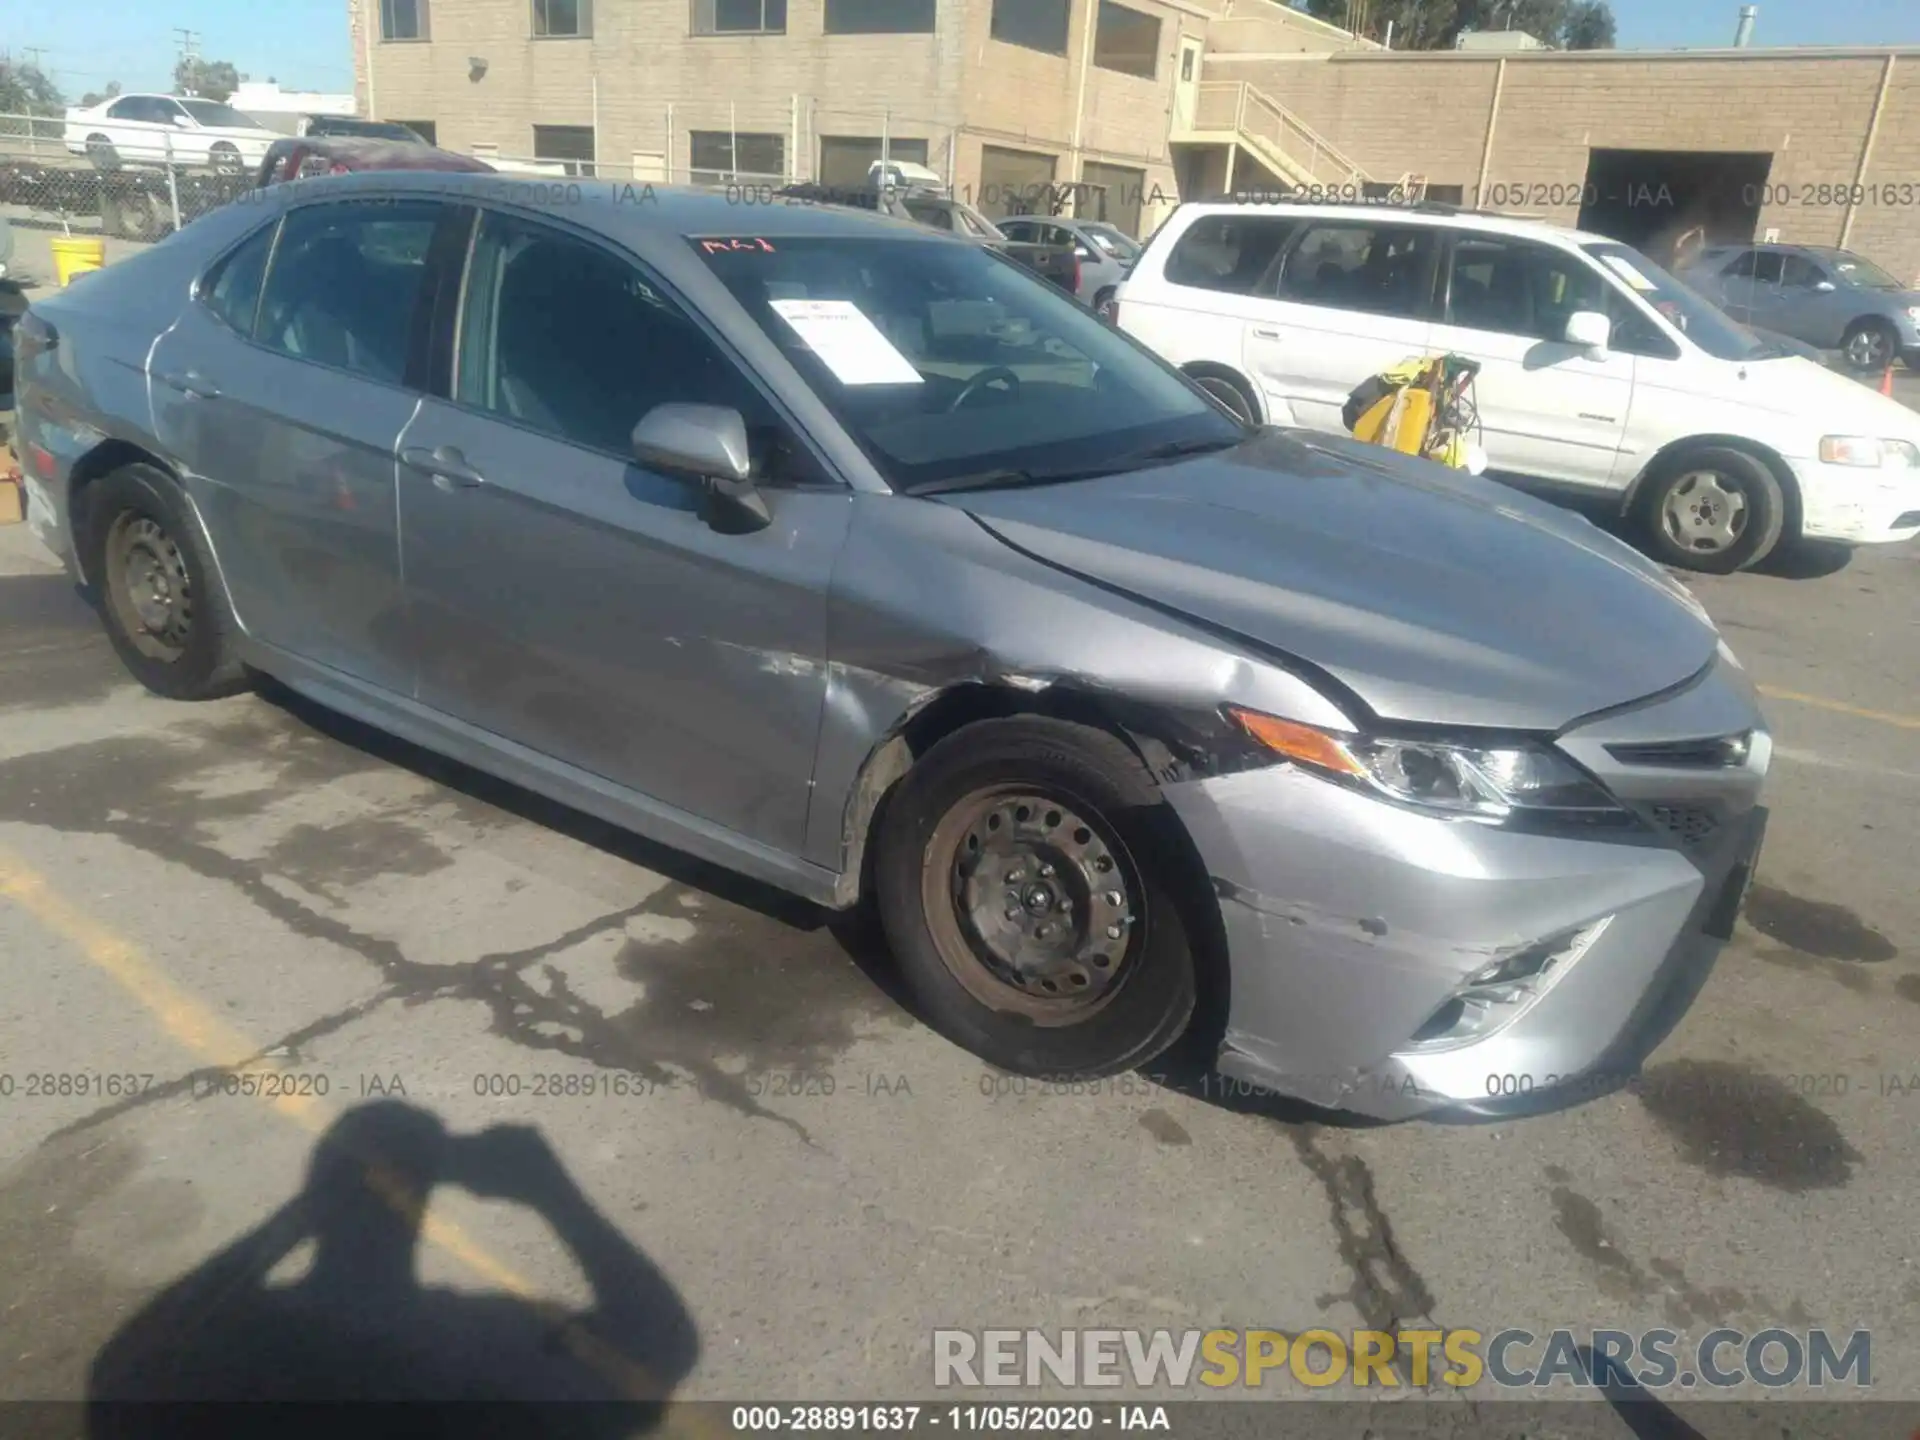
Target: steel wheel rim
{"x": 1033, "y": 904}
{"x": 1870, "y": 349}
{"x": 1703, "y": 514}
{"x": 148, "y": 587}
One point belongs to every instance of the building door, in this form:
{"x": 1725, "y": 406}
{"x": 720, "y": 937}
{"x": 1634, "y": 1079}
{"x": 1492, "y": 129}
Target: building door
{"x": 1186, "y": 88}
{"x": 1014, "y": 182}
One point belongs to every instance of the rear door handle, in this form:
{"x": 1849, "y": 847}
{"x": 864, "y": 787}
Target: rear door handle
{"x": 1261, "y": 332}
{"x": 192, "y": 382}
{"x": 447, "y": 466}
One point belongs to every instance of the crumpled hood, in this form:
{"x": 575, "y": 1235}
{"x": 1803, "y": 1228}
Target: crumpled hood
{"x": 1431, "y": 594}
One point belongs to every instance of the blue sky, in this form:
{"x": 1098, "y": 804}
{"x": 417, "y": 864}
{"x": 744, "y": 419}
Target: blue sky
{"x": 303, "y": 43}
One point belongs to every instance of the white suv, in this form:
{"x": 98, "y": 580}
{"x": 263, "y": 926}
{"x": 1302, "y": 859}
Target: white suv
{"x": 1601, "y": 374}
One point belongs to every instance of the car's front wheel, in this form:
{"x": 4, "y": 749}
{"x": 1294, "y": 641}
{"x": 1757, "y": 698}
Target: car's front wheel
{"x": 1713, "y": 509}
{"x": 1870, "y": 346}
{"x": 226, "y": 159}
{"x": 101, "y": 154}
{"x": 1031, "y": 891}
{"x": 159, "y": 597}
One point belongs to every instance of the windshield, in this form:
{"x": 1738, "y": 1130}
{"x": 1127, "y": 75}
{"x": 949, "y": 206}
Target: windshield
{"x": 1113, "y": 241}
{"x": 208, "y": 112}
{"x": 1858, "y": 270}
{"x": 945, "y": 361}
{"x": 1684, "y": 308}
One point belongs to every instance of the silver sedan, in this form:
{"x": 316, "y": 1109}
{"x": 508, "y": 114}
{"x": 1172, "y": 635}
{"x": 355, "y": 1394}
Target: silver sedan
{"x": 856, "y": 559}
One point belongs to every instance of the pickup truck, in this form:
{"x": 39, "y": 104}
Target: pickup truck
{"x": 1056, "y": 263}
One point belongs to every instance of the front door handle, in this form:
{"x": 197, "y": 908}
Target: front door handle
{"x": 192, "y": 382}
{"x": 1261, "y": 332}
{"x": 447, "y": 466}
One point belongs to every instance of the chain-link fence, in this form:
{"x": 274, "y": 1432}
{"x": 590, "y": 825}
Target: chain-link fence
{"x": 141, "y": 188}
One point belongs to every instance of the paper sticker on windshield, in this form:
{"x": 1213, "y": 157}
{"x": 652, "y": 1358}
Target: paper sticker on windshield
{"x": 847, "y": 342}
{"x": 1624, "y": 269}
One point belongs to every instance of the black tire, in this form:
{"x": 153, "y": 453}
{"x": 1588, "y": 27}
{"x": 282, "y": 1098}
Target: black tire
{"x": 1091, "y": 792}
{"x": 225, "y": 159}
{"x": 1679, "y": 510}
{"x": 1870, "y": 346}
{"x": 1230, "y": 395}
{"x": 188, "y": 655}
{"x": 1103, "y": 303}
{"x": 101, "y": 154}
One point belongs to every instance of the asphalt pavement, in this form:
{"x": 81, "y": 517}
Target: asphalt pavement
{"x": 247, "y": 947}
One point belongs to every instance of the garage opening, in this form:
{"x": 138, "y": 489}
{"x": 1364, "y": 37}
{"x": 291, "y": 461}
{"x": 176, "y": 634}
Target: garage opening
{"x": 1014, "y": 182}
{"x": 1670, "y": 203}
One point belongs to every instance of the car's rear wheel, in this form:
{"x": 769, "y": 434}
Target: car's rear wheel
{"x": 1870, "y": 346}
{"x": 1104, "y": 304}
{"x": 1028, "y": 887}
{"x": 1713, "y": 509}
{"x": 159, "y": 597}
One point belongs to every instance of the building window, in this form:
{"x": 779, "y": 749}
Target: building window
{"x": 739, "y": 17}
{"x": 558, "y": 19}
{"x": 1126, "y": 40}
{"x": 427, "y": 130}
{"x": 403, "y": 19}
{"x": 719, "y": 157}
{"x": 846, "y": 160}
{"x": 1032, "y": 24}
{"x": 571, "y": 145}
{"x": 880, "y": 17}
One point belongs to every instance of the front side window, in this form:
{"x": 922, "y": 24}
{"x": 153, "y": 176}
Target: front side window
{"x": 1126, "y": 40}
{"x": 1512, "y": 287}
{"x": 949, "y": 365}
{"x": 569, "y": 339}
{"x": 403, "y": 19}
{"x": 558, "y": 19}
{"x": 1798, "y": 272}
{"x": 880, "y": 17}
{"x": 232, "y": 289}
{"x": 345, "y": 282}
{"x": 1229, "y": 253}
{"x": 216, "y": 116}
{"x": 1378, "y": 269}
{"x": 739, "y": 17}
{"x": 1032, "y": 24}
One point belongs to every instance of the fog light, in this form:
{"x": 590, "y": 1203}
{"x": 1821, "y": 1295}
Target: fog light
{"x": 1501, "y": 991}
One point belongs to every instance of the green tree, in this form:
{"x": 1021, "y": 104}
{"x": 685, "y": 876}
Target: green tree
{"x": 1438, "y": 24}
{"x": 1589, "y": 26}
{"x": 27, "y": 90}
{"x": 97, "y": 97}
{"x": 209, "y": 79}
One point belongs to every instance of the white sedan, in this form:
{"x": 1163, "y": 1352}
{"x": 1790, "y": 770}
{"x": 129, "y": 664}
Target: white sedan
{"x": 167, "y": 129}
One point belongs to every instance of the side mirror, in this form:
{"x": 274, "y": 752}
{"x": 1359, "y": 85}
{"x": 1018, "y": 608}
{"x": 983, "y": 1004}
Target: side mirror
{"x": 1591, "y": 331}
{"x": 1824, "y": 287}
{"x": 183, "y": 122}
{"x": 706, "y": 444}
{"x": 1080, "y": 252}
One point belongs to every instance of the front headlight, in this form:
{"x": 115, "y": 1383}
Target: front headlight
{"x": 1866, "y": 452}
{"x": 1913, "y": 313}
{"x": 1491, "y": 782}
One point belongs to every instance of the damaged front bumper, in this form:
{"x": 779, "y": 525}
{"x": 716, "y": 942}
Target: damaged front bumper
{"x": 1390, "y": 962}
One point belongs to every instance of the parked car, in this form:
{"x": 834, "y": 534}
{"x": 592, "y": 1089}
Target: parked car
{"x": 1831, "y": 299}
{"x": 354, "y": 126}
{"x": 1055, "y": 263}
{"x": 1602, "y": 377}
{"x": 167, "y": 130}
{"x": 1104, "y": 251}
{"x": 844, "y": 555}
{"x": 313, "y": 155}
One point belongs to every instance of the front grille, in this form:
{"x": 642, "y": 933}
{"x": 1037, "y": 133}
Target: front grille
{"x": 1686, "y": 824}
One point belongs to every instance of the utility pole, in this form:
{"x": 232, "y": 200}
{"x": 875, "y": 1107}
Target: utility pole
{"x": 189, "y": 48}
{"x": 33, "y": 54}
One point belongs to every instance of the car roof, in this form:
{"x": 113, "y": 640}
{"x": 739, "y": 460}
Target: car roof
{"x": 633, "y": 210}
{"x": 1443, "y": 217}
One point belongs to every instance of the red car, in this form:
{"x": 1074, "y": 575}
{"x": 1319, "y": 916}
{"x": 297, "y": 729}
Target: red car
{"x": 339, "y": 154}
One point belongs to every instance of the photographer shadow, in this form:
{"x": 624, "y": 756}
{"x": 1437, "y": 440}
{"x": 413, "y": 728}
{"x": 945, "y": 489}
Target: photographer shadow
{"x": 357, "y": 1326}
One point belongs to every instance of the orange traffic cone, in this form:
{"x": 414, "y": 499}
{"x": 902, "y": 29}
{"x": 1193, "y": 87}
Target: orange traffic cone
{"x": 1886, "y": 382}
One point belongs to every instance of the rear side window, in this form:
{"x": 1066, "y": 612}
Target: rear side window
{"x": 344, "y": 284}
{"x": 232, "y": 289}
{"x": 1378, "y": 269}
{"x": 1229, "y": 253}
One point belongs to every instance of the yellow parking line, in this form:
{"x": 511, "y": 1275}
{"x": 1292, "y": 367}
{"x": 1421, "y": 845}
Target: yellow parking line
{"x": 200, "y": 1030}
{"x": 1840, "y": 707}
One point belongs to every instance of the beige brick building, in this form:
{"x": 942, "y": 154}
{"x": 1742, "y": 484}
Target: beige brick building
{"x": 998, "y": 96}
{"x": 1819, "y": 147}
